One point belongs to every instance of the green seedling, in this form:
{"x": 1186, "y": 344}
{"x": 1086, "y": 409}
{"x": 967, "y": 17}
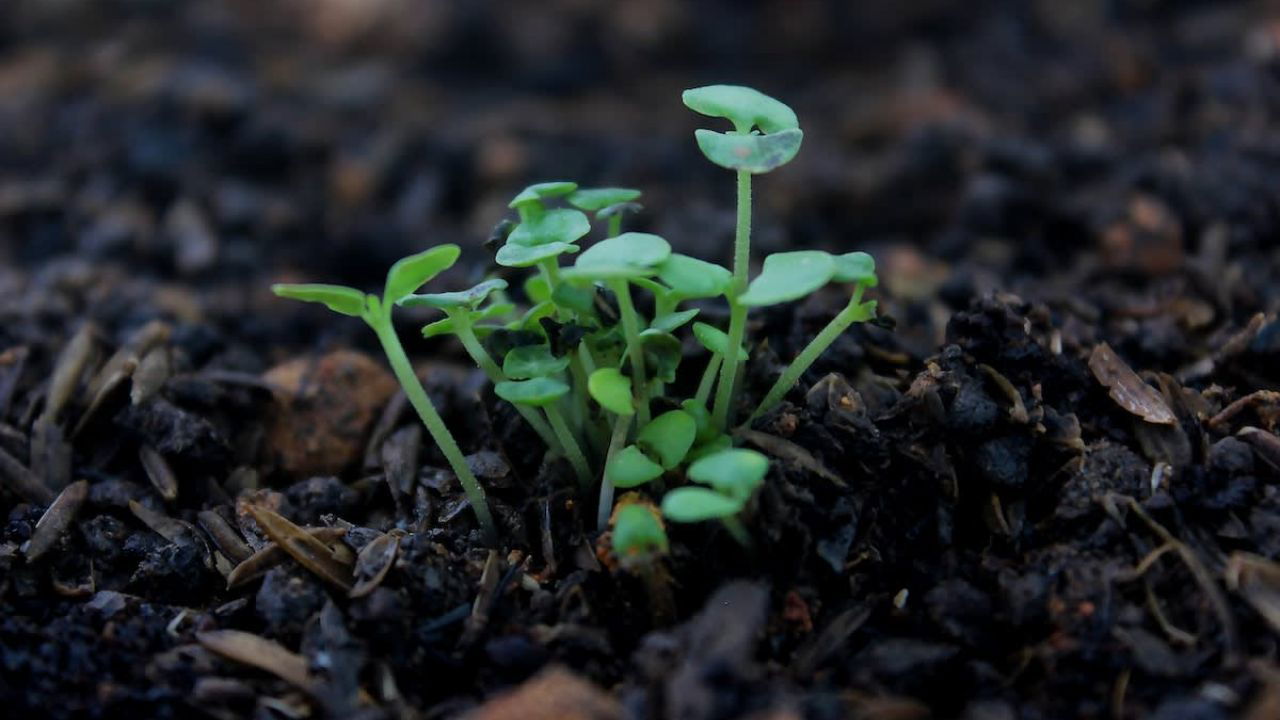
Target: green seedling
{"x": 405, "y": 276}
{"x": 609, "y": 204}
{"x": 765, "y": 135}
{"x": 717, "y": 342}
{"x": 771, "y": 287}
{"x": 639, "y": 543}
{"x": 545, "y": 393}
{"x": 733, "y": 477}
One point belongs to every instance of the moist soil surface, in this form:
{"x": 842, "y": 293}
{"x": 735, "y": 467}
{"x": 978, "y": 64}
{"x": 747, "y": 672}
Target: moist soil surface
{"x": 1042, "y": 485}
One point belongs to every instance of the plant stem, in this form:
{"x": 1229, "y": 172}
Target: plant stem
{"x": 574, "y": 451}
{"x": 708, "y": 379}
{"x": 467, "y": 336}
{"x": 631, "y": 331}
{"x": 621, "y": 424}
{"x": 664, "y": 304}
{"x": 737, "y": 313}
{"x": 615, "y": 225}
{"x": 841, "y": 322}
{"x": 435, "y": 425}
{"x": 735, "y": 528}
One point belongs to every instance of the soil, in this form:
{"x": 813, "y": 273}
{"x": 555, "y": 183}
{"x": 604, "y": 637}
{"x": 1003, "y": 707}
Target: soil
{"x": 1046, "y": 484}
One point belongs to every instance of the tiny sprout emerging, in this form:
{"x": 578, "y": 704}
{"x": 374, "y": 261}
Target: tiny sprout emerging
{"x": 638, "y": 534}
{"x": 631, "y": 467}
{"x": 530, "y": 199}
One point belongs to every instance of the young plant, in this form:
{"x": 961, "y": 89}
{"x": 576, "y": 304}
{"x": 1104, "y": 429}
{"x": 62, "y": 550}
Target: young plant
{"x": 733, "y": 476}
{"x": 404, "y": 277}
{"x": 609, "y": 204}
{"x": 765, "y": 135}
{"x": 545, "y": 392}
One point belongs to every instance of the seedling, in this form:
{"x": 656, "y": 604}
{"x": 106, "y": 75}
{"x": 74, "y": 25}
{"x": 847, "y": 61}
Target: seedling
{"x": 734, "y": 476}
{"x": 405, "y": 276}
{"x": 765, "y": 135}
{"x": 639, "y": 542}
{"x": 583, "y": 361}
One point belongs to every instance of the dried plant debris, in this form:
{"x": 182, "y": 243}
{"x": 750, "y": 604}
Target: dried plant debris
{"x": 310, "y": 552}
{"x": 57, "y": 519}
{"x": 1127, "y": 389}
{"x": 259, "y": 652}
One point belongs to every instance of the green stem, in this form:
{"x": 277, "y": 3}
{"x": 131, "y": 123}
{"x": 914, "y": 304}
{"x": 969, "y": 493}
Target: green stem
{"x": 664, "y": 304}
{"x": 737, "y": 313}
{"x": 621, "y": 424}
{"x": 631, "y": 332}
{"x": 736, "y": 529}
{"x": 467, "y": 336}
{"x": 708, "y": 379}
{"x": 615, "y": 225}
{"x": 439, "y": 432}
{"x": 574, "y": 451}
{"x": 841, "y": 322}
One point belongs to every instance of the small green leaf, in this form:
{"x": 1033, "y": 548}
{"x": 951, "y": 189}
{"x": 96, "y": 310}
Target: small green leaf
{"x": 715, "y": 340}
{"x": 531, "y": 361}
{"x": 512, "y": 255}
{"x": 736, "y": 473}
{"x": 612, "y": 390}
{"x": 563, "y": 225}
{"x": 638, "y": 532}
{"x": 631, "y": 249}
{"x": 338, "y": 298}
{"x": 443, "y": 326}
{"x": 789, "y": 276}
{"x": 531, "y": 319}
{"x": 705, "y": 447}
{"x": 495, "y": 310}
{"x": 856, "y": 267}
{"x": 411, "y": 273}
{"x": 469, "y": 298}
{"x": 630, "y": 467}
{"x": 542, "y": 191}
{"x": 689, "y": 277}
{"x": 620, "y": 208}
{"x": 695, "y": 504}
{"x": 536, "y": 289}
{"x": 673, "y": 321}
{"x": 746, "y": 107}
{"x": 662, "y": 354}
{"x": 596, "y": 199}
{"x": 702, "y": 419}
{"x": 538, "y": 392}
{"x": 578, "y": 299}
{"x": 668, "y": 437}
{"x": 756, "y": 154}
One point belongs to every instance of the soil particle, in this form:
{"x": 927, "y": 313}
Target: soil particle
{"x": 287, "y": 599}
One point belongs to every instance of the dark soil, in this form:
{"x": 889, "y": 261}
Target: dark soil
{"x": 976, "y": 510}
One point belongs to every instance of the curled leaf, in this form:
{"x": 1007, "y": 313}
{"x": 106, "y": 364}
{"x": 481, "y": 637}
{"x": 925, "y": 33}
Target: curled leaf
{"x": 538, "y": 192}
{"x": 856, "y": 267}
{"x": 715, "y": 340}
{"x": 756, "y": 154}
{"x": 469, "y": 298}
{"x": 746, "y": 107}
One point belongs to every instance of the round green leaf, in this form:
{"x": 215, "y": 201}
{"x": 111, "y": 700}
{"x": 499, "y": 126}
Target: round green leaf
{"x": 338, "y": 298}
{"x": 737, "y": 472}
{"x": 689, "y": 277}
{"x": 668, "y": 437}
{"x": 662, "y": 354}
{"x": 695, "y": 504}
{"x": 754, "y": 153}
{"x": 538, "y": 392}
{"x": 631, "y": 249}
{"x": 855, "y": 267}
{"x": 630, "y": 467}
{"x": 578, "y": 299}
{"x": 789, "y": 276}
{"x": 715, "y": 340}
{"x": 746, "y": 107}
{"x": 468, "y": 299}
{"x": 637, "y": 531}
{"x": 673, "y": 321}
{"x": 531, "y": 361}
{"x": 411, "y": 273}
{"x": 541, "y": 191}
{"x": 612, "y": 390}
{"x": 594, "y": 199}
{"x": 512, "y": 255}
{"x": 563, "y": 225}
{"x": 709, "y": 446}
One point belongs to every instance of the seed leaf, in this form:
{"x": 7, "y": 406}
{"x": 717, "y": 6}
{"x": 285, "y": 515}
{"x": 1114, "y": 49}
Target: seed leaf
{"x": 411, "y": 273}
{"x": 856, "y": 267}
{"x": 668, "y": 437}
{"x": 631, "y": 249}
{"x": 736, "y": 473}
{"x": 689, "y": 277}
{"x": 695, "y": 504}
{"x": 673, "y": 321}
{"x": 756, "y": 154}
{"x": 630, "y": 467}
{"x": 531, "y": 361}
{"x": 744, "y": 106}
{"x": 715, "y": 340}
{"x": 469, "y": 298}
{"x": 338, "y": 298}
{"x": 637, "y": 531}
{"x": 512, "y": 255}
{"x": 789, "y": 276}
{"x": 612, "y": 390}
{"x": 596, "y": 199}
{"x": 563, "y": 225}
{"x": 541, "y": 191}
{"x": 662, "y": 353}
{"x": 578, "y": 299}
{"x": 538, "y": 392}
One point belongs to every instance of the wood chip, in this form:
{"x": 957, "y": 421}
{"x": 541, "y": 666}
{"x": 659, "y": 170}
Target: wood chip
{"x": 373, "y": 563}
{"x": 159, "y": 472}
{"x": 57, "y": 519}
{"x": 1127, "y": 389}
{"x": 257, "y": 651}
{"x": 303, "y": 547}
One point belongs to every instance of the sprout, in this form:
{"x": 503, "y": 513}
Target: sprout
{"x": 631, "y": 467}
{"x": 766, "y": 135}
{"x": 734, "y": 476}
{"x": 529, "y": 202}
{"x": 545, "y": 392}
{"x": 608, "y": 204}
{"x": 404, "y": 277}
{"x": 639, "y": 541}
